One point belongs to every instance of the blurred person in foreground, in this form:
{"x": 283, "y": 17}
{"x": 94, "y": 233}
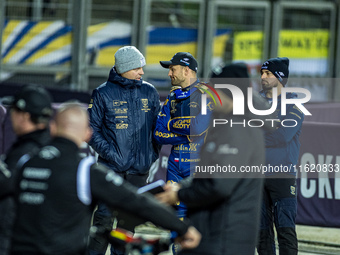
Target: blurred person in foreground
{"x": 30, "y": 113}
{"x": 56, "y": 192}
{"x": 282, "y": 150}
{"x": 225, "y": 205}
{"x": 123, "y": 113}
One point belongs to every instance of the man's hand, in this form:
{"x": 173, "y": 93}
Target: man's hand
{"x": 190, "y": 240}
{"x": 169, "y": 196}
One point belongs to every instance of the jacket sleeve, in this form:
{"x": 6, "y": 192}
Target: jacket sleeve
{"x": 205, "y": 192}
{"x": 192, "y": 125}
{"x": 6, "y": 180}
{"x": 210, "y": 191}
{"x": 156, "y": 145}
{"x": 161, "y": 133}
{"x": 98, "y": 142}
{"x": 283, "y": 135}
{"x": 108, "y": 187}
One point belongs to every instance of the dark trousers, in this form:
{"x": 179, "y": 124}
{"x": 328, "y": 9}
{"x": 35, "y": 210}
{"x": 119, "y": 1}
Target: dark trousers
{"x": 279, "y": 208}
{"x": 103, "y": 218}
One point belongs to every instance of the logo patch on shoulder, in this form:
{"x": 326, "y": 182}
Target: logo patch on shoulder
{"x": 193, "y": 105}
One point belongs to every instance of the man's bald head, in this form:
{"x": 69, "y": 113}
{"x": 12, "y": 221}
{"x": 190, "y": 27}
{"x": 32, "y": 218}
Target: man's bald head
{"x": 72, "y": 122}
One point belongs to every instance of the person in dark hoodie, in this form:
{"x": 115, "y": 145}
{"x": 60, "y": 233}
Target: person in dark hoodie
{"x": 123, "y": 112}
{"x": 55, "y": 190}
{"x": 30, "y": 113}
{"x": 225, "y": 205}
{"x": 282, "y": 150}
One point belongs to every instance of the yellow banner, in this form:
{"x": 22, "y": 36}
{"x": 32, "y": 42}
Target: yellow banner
{"x": 303, "y": 44}
{"x": 247, "y": 45}
{"x": 300, "y": 44}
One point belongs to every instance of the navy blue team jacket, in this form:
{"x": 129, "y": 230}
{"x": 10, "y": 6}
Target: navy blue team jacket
{"x": 282, "y": 145}
{"x": 123, "y": 114}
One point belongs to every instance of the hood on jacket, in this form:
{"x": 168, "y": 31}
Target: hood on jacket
{"x": 114, "y": 77}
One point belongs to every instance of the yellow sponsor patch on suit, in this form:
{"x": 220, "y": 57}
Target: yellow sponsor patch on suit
{"x": 182, "y": 124}
{"x": 165, "y": 135}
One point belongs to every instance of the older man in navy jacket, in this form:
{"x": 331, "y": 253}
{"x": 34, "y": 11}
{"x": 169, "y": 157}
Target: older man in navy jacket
{"x": 123, "y": 113}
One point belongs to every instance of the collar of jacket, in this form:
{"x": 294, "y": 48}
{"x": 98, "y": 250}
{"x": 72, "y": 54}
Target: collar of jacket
{"x": 37, "y": 135}
{"x": 186, "y": 92}
{"x": 69, "y": 144}
{"x": 114, "y": 77}
{"x": 191, "y": 86}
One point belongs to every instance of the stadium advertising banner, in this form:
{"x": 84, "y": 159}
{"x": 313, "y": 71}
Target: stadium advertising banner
{"x": 319, "y": 178}
{"x": 306, "y": 49}
{"x": 49, "y": 42}
{"x": 248, "y": 46}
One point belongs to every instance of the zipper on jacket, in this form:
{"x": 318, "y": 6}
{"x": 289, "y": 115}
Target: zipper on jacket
{"x": 134, "y": 101}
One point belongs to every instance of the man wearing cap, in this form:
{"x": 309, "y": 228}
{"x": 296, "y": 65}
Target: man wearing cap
{"x": 180, "y": 122}
{"x": 123, "y": 113}
{"x": 282, "y": 149}
{"x": 30, "y": 112}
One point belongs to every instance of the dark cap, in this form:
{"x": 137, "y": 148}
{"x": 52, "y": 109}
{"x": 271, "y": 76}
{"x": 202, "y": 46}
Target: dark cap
{"x": 32, "y": 99}
{"x": 182, "y": 59}
{"x": 279, "y": 67}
